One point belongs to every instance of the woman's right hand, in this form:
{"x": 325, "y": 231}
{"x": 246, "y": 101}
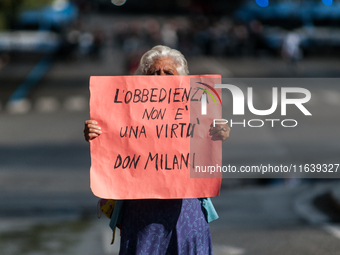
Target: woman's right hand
{"x": 91, "y": 130}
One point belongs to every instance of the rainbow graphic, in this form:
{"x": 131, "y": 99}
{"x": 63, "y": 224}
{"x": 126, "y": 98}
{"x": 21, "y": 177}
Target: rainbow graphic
{"x": 204, "y": 97}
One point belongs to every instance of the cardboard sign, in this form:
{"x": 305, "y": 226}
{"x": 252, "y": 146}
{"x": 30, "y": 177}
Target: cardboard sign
{"x": 153, "y": 134}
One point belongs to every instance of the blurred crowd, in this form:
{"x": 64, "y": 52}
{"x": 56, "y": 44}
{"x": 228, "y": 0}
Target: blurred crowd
{"x": 200, "y": 35}
{"x": 192, "y": 36}
{"x": 196, "y": 36}
{"x": 79, "y": 42}
{"x": 247, "y": 31}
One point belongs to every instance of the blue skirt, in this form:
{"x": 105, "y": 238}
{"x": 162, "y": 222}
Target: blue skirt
{"x": 162, "y": 227}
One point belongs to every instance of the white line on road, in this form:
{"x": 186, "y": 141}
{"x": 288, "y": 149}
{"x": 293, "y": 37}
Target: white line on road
{"x": 334, "y": 230}
{"x": 219, "y": 67}
{"x": 81, "y": 102}
{"x": 304, "y": 206}
{"x": 76, "y": 103}
{"x": 227, "y": 250}
{"x": 47, "y": 104}
{"x": 332, "y": 97}
{"x": 20, "y": 106}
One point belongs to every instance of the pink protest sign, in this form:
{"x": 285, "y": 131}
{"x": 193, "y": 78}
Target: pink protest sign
{"x": 153, "y": 135}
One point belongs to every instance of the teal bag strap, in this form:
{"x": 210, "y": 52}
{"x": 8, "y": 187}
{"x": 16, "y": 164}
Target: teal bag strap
{"x": 208, "y": 209}
{"x": 116, "y": 214}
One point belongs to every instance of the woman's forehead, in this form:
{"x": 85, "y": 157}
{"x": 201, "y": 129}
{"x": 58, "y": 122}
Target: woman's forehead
{"x": 163, "y": 61}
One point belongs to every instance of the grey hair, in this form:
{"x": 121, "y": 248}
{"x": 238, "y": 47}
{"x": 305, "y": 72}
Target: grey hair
{"x": 160, "y": 51}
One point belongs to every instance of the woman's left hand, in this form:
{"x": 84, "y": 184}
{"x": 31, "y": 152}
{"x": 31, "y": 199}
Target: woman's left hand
{"x": 219, "y": 132}
{"x": 91, "y": 130}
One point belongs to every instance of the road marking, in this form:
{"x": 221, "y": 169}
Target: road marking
{"x": 304, "y": 206}
{"x": 76, "y": 103}
{"x": 32, "y": 79}
{"x": 47, "y": 104}
{"x": 334, "y": 230}
{"x": 227, "y": 250}
{"x": 331, "y": 97}
{"x": 219, "y": 67}
{"x": 81, "y": 102}
{"x": 20, "y": 106}
{"x": 17, "y": 103}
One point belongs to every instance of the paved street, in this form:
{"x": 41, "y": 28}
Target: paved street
{"x": 46, "y": 203}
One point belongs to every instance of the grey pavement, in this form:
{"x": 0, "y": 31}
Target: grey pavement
{"x": 254, "y": 218}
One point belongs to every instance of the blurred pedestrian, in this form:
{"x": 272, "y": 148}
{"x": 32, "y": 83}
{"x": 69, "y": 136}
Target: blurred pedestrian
{"x": 291, "y": 51}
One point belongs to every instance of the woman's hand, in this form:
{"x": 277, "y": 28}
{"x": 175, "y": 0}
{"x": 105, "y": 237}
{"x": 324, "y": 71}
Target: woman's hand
{"x": 219, "y": 132}
{"x": 91, "y": 130}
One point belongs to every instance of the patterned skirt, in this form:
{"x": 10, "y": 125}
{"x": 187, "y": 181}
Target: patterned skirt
{"x": 162, "y": 227}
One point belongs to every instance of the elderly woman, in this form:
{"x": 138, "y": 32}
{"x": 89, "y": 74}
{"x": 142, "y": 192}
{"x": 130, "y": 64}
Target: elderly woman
{"x": 163, "y": 226}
